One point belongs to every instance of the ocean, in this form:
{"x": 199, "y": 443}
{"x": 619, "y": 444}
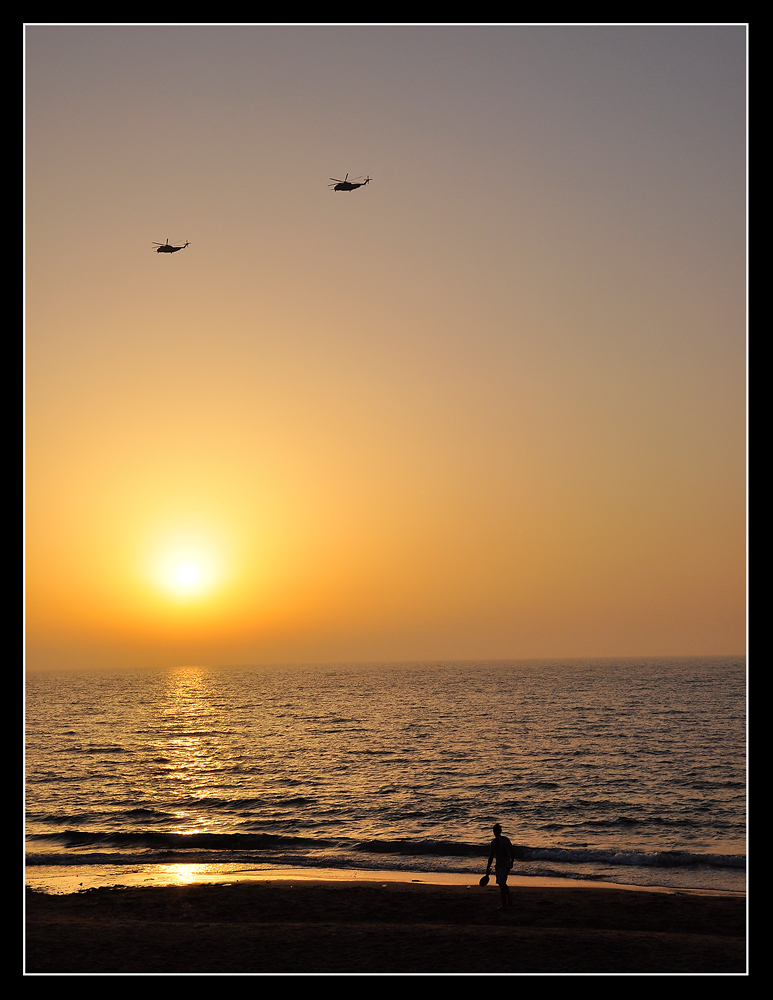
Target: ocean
{"x": 624, "y": 771}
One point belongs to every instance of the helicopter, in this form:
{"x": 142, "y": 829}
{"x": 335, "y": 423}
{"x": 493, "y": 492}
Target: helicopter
{"x": 346, "y": 184}
{"x": 168, "y": 248}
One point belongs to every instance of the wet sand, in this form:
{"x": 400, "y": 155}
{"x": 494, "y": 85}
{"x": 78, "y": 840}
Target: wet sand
{"x": 294, "y": 926}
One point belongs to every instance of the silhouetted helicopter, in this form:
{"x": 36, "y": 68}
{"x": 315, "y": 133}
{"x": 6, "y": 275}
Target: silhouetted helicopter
{"x": 346, "y": 184}
{"x": 168, "y": 248}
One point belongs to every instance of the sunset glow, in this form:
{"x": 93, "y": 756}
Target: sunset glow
{"x": 188, "y": 569}
{"x": 491, "y": 404}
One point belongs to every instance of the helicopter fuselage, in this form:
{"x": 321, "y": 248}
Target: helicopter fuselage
{"x": 169, "y": 249}
{"x": 349, "y": 185}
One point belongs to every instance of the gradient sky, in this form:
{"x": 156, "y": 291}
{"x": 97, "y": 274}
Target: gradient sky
{"x": 492, "y": 405}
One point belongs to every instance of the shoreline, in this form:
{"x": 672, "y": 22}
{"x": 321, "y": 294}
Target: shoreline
{"x": 63, "y": 880}
{"x": 295, "y": 922}
{"x": 300, "y": 926}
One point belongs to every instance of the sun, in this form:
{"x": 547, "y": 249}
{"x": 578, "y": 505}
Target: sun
{"x": 188, "y": 566}
{"x": 187, "y": 576}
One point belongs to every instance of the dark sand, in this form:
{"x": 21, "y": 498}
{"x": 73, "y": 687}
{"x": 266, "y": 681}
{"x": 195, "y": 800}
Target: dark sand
{"x": 344, "y": 927}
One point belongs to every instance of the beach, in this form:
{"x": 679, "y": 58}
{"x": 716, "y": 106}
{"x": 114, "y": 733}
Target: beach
{"x": 337, "y": 820}
{"x": 316, "y": 926}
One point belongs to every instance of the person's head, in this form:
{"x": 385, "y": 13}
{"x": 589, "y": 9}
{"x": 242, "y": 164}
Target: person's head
{"x": 497, "y": 829}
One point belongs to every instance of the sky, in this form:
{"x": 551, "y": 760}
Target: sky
{"x": 491, "y": 405}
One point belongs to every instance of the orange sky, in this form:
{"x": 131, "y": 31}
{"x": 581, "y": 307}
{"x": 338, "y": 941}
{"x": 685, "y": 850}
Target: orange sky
{"x": 491, "y": 405}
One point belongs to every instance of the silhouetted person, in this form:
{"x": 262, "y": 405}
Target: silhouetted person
{"x": 503, "y": 855}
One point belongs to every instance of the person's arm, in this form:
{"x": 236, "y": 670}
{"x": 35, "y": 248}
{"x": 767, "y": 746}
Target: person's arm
{"x": 490, "y": 859}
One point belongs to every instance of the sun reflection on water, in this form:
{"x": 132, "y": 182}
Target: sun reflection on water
{"x": 186, "y": 743}
{"x": 184, "y": 874}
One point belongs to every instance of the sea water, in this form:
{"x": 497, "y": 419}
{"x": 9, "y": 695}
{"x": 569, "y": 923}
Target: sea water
{"x": 628, "y": 771}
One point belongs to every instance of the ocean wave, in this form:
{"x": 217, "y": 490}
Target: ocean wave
{"x": 148, "y": 839}
{"x": 133, "y": 843}
{"x": 442, "y": 848}
{"x": 638, "y": 859}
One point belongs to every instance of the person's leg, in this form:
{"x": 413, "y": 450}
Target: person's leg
{"x": 504, "y": 892}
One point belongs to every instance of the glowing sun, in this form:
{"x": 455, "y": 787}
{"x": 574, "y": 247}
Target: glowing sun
{"x": 188, "y": 568}
{"x": 187, "y": 575}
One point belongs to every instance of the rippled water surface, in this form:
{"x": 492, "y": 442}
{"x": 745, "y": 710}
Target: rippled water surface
{"x": 590, "y": 766}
